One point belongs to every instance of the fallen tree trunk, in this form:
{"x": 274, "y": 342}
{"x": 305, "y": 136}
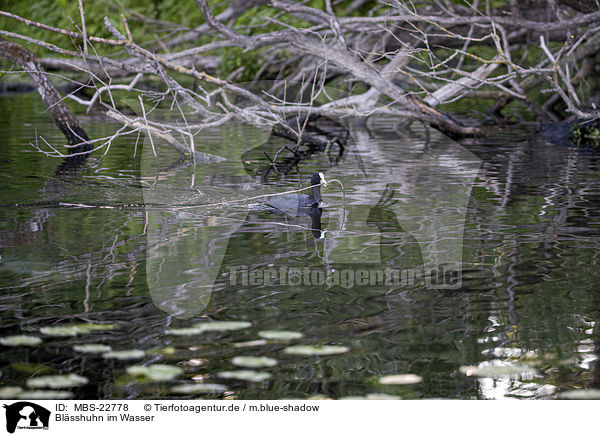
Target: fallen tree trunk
{"x": 60, "y": 113}
{"x": 276, "y": 61}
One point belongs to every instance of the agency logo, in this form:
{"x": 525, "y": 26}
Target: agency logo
{"x": 26, "y": 416}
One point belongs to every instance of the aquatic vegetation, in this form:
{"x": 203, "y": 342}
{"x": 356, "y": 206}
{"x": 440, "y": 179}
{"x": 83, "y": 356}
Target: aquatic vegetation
{"x": 8, "y": 392}
{"x": 20, "y": 340}
{"x": 246, "y": 375}
{"x": 499, "y": 369}
{"x": 247, "y": 344}
{"x": 125, "y": 354}
{"x": 400, "y": 379}
{"x": 57, "y": 381}
{"x": 189, "y": 388}
{"x": 45, "y": 395}
{"x": 214, "y": 326}
{"x": 253, "y": 361}
{"x": 32, "y": 368}
{"x": 92, "y": 348}
{"x": 316, "y": 350}
{"x": 76, "y": 329}
{"x": 585, "y": 134}
{"x": 156, "y": 372}
{"x": 280, "y": 335}
{"x": 580, "y": 394}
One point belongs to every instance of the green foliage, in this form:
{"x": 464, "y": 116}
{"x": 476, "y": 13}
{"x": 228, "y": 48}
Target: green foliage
{"x": 482, "y": 5}
{"x": 233, "y": 58}
{"x": 65, "y": 14}
{"x": 585, "y": 134}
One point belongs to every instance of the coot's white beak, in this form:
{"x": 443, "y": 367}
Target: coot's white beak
{"x": 323, "y": 181}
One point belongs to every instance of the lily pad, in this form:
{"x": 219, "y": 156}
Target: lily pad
{"x": 319, "y": 397}
{"x": 165, "y": 351}
{"x": 45, "y": 395}
{"x": 124, "y": 354}
{"x": 373, "y": 396}
{"x": 92, "y": 348}
{"x": 223, "y": 326}
{"x": 378, "y": 396}
{"x": 256, "y": 343}
{"x": 32, "y": 368}
{"x": 316, "y": 350}
{"x": 57, "y": 381}
{"x": 20, "y": 340}
{"x": 184, "y": 331}
{"x": 189, "y": 388}
{"x": 9, "y": 392}
{"x": 253, "y": 361}
{"x": 213, "y": 326}
{"x": 580, "y": 394}
{"x": 547, "y": 390}
{"x": 400, "y": 379}
{"x": 280, "y": 335}
{"x": 246, "y": 375}
{"x": 503, "y": 369}
{"x": 156, "y": 372}
{"x": 76, "y": 329}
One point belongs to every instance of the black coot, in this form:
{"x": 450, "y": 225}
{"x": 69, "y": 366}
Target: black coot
{"x": 297, "y": 204}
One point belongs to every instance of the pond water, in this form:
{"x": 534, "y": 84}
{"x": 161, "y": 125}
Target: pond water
{"x": 470, "y": 269}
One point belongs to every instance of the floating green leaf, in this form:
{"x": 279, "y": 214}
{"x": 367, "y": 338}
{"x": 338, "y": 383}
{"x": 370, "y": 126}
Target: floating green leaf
{"x": 124, "y": 354}
{"x": 382, "y": 397}
{"x": 280, "y": 335}
{"x": 256, "y": 343}
{"x": 76, "y": 329}
{"x": 400, "y": 379}
{"x": 223, "y": 325}
{"x": 45, "y": 395}
{"x": 156, "y": 372}
{"x": 316, "y": 350}
{"x": 60, "y": 331}
{"x": 8, "y": 392}
{"x": 503, "y": 369}
{"x": 373, "y": 396}
{"x": 166, "y": 351}
{"x": 253, "y": 376}
{"x": 253, "y": 361}
{"x": 213, "y": 326}
{"x": 92, "y": 348}
{"x": 580, "y": 394}
{"x": 184, "y": 332}
{"x": 189, "y": 388}
{"x": 32, "y": 368}
{"x": 57, "y": 381}
{"x": 20, "y": 340}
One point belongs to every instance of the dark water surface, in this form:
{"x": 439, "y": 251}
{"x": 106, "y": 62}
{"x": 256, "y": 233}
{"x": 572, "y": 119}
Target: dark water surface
{"x": 123, "y": 243}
